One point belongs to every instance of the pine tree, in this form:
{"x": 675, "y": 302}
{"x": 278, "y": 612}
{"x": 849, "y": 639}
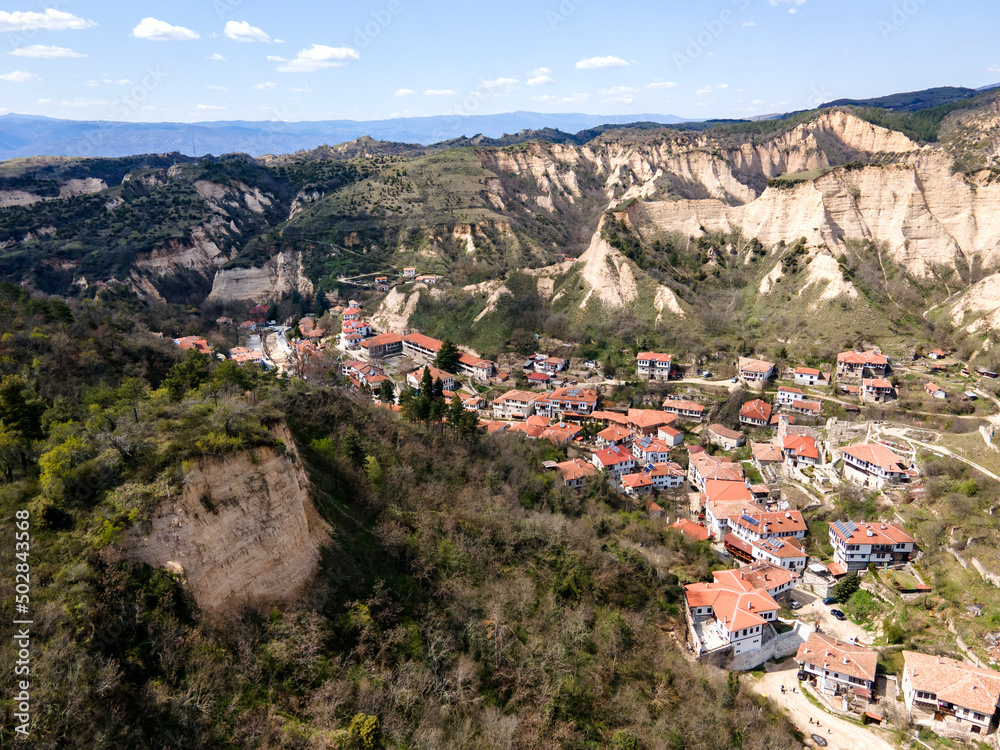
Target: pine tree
{"x": 447, "y": 357}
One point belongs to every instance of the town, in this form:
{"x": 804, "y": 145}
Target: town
{"x": 744, "y": 464}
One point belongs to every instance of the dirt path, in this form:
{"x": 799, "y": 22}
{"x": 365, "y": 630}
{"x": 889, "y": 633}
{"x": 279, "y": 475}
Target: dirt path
{"x": 934, "y": 448}
{"x": 838, "y": 733}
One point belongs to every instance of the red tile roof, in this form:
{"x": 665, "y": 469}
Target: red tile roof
{"x": 757, "y": 409}
{"x": 878, "y": 455}
{"x": 828, "y": 653}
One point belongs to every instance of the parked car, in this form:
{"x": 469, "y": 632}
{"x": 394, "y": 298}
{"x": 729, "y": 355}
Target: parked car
{"x": 793, "y": 604}
{"x": 838, "y": 614}
{"x": 829, "y": 600}
{"x": 734, "y": 380}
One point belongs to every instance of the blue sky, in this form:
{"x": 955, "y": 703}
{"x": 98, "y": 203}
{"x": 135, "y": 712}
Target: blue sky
{"x": 193, "y": 60}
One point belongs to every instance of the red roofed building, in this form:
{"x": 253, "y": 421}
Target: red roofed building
{"x": 807, "y": 376}
{"x": 756, "y": 413}
{"x": 844, "y": 667}
{"x": 418, "y": 345}
{"x": 561, "y": 433}
{"x": 636, "y": 484}
{"x": 352, "y": 313}
{"x": 703, "y": 467}
{"x": 691, "y": 529}
{"x": 650, "y": 450}
{"x": 614, "y": 435}
{"x": 787, "y": 396}
{"x": 575, "y": 473}
{"x": 653, "y": 366}
{"x": 687, "y": 410}
{"x": 807, "y": 408}
{"x": 861, "y": 364}
{"x": 876, "y": 390}
{"x": 874, "y": 465}
{"x": 515, "y": 405}
{"x": 648, "y": 421}
{"x": 480, "y": 369}
{"x": 416, "y": 377}
{"x": 754, "y": 371}
{"x": 769, "y": 525}
{"x": 567, "y": 401}
{"x": 724, "y": 615}
{"x": 952, "y": 697}
{"x": 858, "y": 545}
{"x": 801, "y": 450}
{"x": 784, "y": 553}
{"x": 194, "y": 342}
{"x": 725, "y": 438}
{"x": 616, "y": 461}
{"x": 383, "y": 345}
{"x": 935, "y": 390}
{"x": 765, "y": 454}
{"x": 671, "y": 436}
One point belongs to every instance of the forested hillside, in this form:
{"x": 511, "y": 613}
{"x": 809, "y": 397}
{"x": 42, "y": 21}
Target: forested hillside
{"x": 462, "y": 600}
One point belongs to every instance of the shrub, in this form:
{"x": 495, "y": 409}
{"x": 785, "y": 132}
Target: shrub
{"x": 623, "y": 740}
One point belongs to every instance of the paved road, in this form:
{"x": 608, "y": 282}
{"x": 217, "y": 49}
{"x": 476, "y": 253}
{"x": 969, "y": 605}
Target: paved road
{"x": 813, "y": 610}
{"x": 899, "y": 434}
{"x": 838, "y": 733}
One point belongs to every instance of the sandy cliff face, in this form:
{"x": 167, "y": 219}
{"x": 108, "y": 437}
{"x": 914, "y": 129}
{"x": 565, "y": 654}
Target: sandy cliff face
{"x": 278, "y": 277}
{"x": 241, "y": 532}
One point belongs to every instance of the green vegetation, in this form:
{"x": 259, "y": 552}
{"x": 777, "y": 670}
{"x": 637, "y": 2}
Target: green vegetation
{"x": 464, "y": 599}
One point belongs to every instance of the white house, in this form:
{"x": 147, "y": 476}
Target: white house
{"x": 949, "y": 696}
{"x": 874, "y": 465}
{"x": 807, "y": 376}
{"x": 653, "y": 366}
{"x": 787, "y": 396}
{"x": 838, "y": 667}
{"x": 515, "y": 405}
{"x": 858, "y": 545}
{"x": 754, "y": 371}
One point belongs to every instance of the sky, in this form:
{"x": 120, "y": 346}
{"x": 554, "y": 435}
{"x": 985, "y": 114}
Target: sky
{"x": 197, "y": 60}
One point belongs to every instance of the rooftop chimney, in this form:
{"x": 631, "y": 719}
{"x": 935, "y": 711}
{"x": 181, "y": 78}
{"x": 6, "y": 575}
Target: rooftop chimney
{"x": 869, "y": 532}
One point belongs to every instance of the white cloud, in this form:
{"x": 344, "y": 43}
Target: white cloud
{"x": 319, "y": 56}
{"x": 241, "y": 31}
{"x": 593, "y": 63}
{"x": 275, "y": 58}
{"x": 215, "y": 56}
{"x": 43, "y": 50}
{"x": 539, "y": 80}
{"x": 993, "y": 69}
{"x": 709, "y": 89}
{"x": 778, "y": 3}
{"x": 497, "y": 83}
{"x": 92, "y": 83}
{"x": 209, "y": 107}
{"x": 44, "y": 101}
{"x": 574, "y": 99}
{"x": 213, "y": 87}
{"x": 160, "y": 31}
{"x": 19, "y": 76}
{"x": 266, "y": 85}
{"x": 302, "y": 90}
{"x": 83, "y": 102}
{"x": 50, "y": 20}
{"x": 119, "y": 82}
{"x": 541, "y": 72}
{"x": 749, "y": 23}
{"x": 661, "y": 85}
{"x": 439, "y": 92}
{"x": 618, "y": 91}
{"x": 404, "y": 92}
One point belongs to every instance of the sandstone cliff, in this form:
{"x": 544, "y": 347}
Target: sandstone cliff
{"x": 278, "y": 277}
{"x": 244, "y": 531}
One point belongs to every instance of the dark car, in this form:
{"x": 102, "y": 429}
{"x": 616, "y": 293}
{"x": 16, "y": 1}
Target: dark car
{"x": 829, "y": 600}
{"x": 838, "y": 614}
{"x": 792, "y": 604}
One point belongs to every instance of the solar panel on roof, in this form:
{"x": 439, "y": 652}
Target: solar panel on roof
{"x": 648, "y": 467}
{"x": 846, "y": 528}
{"x": 749, "y": 520}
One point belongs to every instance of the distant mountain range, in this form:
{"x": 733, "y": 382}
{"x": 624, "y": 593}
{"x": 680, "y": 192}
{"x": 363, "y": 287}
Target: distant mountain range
{"x": 27, "y": 135}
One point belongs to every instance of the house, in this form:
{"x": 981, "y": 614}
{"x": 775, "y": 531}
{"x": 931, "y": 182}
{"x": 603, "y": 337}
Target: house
{"x": 837, "y": 667}
{"x": 636, "y": 484}
{"x": 874, "y": 465}
{"x": 950, "y": 696}
{"x": 787, "y": 396}
{"x": 650, "y": 450}
{"x": 776, "y": 581}
{"x": 409, "y": 272}
{"x": 382, "y": 283}
{"x": 224, "y": 321}
{"x": 807, "y": 408}
{"x": 648, "y": 421}
{"x": 617, "y": 461}
{"x": 614, "y": 435}
{"x": 691, "y": 529}
{"x": 551, "y": 365}
{"x": 876, "y": 390}
{"x": 473, "y": 403}
{"x": 807, "y": 376}
{"x": 801, "y": 450}
{"x": 416, "y": 377}
{"x": 538, "y": 378}
{"x": 248, "y": 325}
{"x": 769, "y": 525}
{"x": 427, "y": 278}
{"x": 936, "y": 354}
{"x": 725, "y": 615}
{"x": 480, "y": 369}
{"x": 858, "y": 545}
{"x": 687, "y": 410}
{"x": 936, "y": 391}
{"x": 360, "y": 327}
{"x": 567, "y": 401}
{"x": 724, "y": 501}
{"x": 383, "y": 345}
{"x": 575, "y": 473}
{"x": 861, "y": 364}
{"x": 756, "y": 413}
{"x": 352, "y": 313}
{"x": 194, "y": 342}
{"x": 724, "y": 437}
{"x": 561, "y": 433}
{"x": 514, "y": 405}
{"x": 703, "y": 467}
{"x": 783, "y": 553}
{"x": 666, "y": 475}
{"x": 755, "y": 371}
{"x": 418, "y": 345}
{"x": 765, "y": 454}
{"x": 986, "y": 373}
{"x": 671, "y": 436}
{"x": 653, "y": 366}
{"x": 654, "y": 510}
